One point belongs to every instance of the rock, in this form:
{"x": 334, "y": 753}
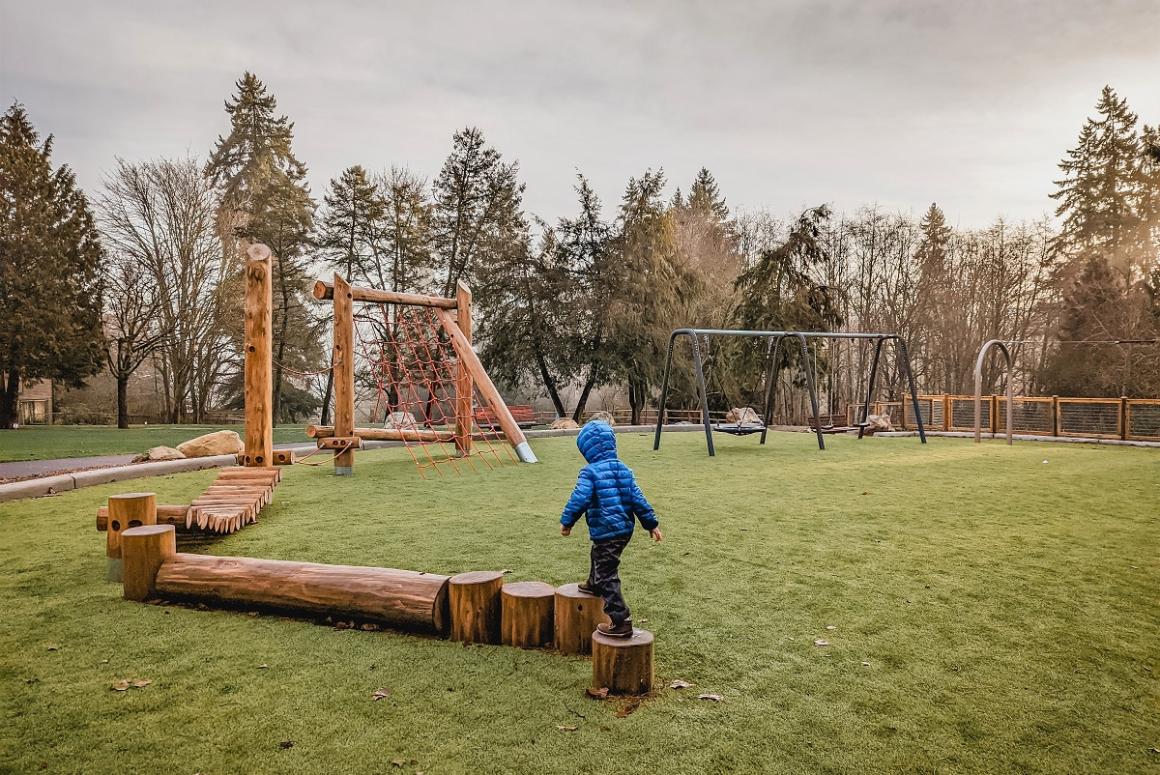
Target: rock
{"x": 401, "y": 421}
{"x": 217, "y": 443}
{"x": 564, "y": 424}
{"x": 603, "y": 417}
{"x": 743, "y": 416}
{"x": 159, "y": 453}
{"x": 878, "y": 422}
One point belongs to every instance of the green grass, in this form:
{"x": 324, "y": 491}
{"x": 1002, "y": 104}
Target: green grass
{"x": 45, "y": 442}
{"x": 992, "y": 612}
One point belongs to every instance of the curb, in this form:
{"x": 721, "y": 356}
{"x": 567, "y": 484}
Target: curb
{"x": 1023, "y": 437}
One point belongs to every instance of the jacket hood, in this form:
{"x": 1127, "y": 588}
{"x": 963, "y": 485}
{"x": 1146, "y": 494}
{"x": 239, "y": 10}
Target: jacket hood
{"x": 597, "y": 441}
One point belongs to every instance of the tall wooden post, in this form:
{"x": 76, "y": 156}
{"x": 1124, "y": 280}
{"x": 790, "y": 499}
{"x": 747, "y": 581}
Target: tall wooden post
{"x": 125, "y": 511}
{"x": 1124, "y": 418}
{"x": 343, "y": 365}
{"x": 258, "y": 363}
{"x": 464, "y": 384}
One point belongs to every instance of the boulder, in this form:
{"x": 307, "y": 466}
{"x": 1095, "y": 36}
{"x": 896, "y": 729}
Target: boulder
{"x": 603, "y": 417}
{"x": 159, "y": 453}
{"x": 743, "y": 415}
{"x": 216, "y": 443}
{"x": 564, "y": 424}
{"x": 400, "y": 421}
{"x": 878, "y": 422}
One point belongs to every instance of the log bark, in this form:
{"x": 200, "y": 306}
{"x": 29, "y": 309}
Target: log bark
{"x": 324, "y": 290}
{"x": 258, "y": 360}
{"x": 145, "y": 549}
{"x": 404, "y": 599}
{"x": 623, "y": 665}
{"x": 166, "y": 515}
{"x": 476, "y": 606}
{"x": 464, "y": 384}
{"x": 343, "y": 368}
{"x": 527, "y": 617}
{"x": 576, "y": 615}
{"x": 125, "y": 511}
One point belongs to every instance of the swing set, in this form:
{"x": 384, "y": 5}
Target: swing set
{"x": 773, "y": 352}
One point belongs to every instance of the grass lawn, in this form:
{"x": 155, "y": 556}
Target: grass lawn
{"x": 43, "y": 442}
{"x": 989, "y": 609}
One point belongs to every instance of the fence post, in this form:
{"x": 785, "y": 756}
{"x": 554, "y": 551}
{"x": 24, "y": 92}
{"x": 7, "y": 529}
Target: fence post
{"x": 1124, "y": 418}
{"x": 1055, "y": 415}
{"x": 994, "y": 411}
{"x": 946, "y": 411}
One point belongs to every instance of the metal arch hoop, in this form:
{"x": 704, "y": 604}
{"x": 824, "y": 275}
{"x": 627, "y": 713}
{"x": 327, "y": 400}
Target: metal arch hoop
{"x": 803, "y": 338}
{"x": 983, "y": 351}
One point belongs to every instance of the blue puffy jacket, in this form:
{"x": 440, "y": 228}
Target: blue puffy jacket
{"x": 606, "y": 490}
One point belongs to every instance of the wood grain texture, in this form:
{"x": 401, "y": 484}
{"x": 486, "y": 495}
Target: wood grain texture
{"x": 526, "y": 620}
{"x": 128, "y": 510}
{"x": 167, "y": 514}
{"x": 476, "y": 608}
{"x": 464, "y": 384}
{"x": 258, "y": 360}
{"x": 343, "y": 365}
{"x": 408, "y": 600}
{"x": 576, "y": 617}
{"x": 323, "y": 290}
{"x": 145, "y": 549}
{"x": 623, "y": 665}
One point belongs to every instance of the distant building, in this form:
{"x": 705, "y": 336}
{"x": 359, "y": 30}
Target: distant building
{"x": 35, "y": 403}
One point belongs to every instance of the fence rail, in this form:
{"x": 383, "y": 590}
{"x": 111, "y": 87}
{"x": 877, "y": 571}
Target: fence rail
{"x": 1129, "y": 419}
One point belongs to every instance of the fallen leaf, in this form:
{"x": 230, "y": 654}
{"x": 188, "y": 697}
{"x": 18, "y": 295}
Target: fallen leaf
{"x": 821, "y": 642}
{"x": 680, "y": 684}
{"x": 398, "y": 762}
{"x": 53, "y": 647}
{"x": 263, "y": 666}
{"x": 567, "y": 727}
{"x": 600, "y": 693}
{"x": 121, "y": 686}
{"x": 32, "y": 680}
{"x": 141, "y": 683}
{"x": 286, "y": 744}
{"x": 865, "y": 492}
{"x": 831, "y": 627}
{"x": 1154, "y": 750}
{"x": 710, "y": 697}
{"x": 865, "y": 664}
{"x": 628, "y": 708}
{"x": 252, "y": 613}
{"x": 381, "y": 694}
{"x": 369, "y": 627}
{"x": 506, "y": 571}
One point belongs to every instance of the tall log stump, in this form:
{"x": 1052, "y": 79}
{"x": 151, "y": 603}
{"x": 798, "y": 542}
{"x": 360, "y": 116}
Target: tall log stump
{"x": 125, "y": 511}
{"x": 623, "y": 665}
{"x": 527, "y": 620}
{"x": 476, "y": 606}
{"x": 577, "y": 614}
{"x": 145, "y": 548}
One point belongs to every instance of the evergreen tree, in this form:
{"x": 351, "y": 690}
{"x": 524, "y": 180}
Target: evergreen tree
{"x": 478, "y": 207}
{"x": 404, "y": 255}
{"x": 50, "y": 268}
{"x": 935, "y": 280}
{"x": 705, "y": 197}
{"x": 265, "y": 197}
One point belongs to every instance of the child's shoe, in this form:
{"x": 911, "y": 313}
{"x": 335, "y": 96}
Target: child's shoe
{"x": 587, "y": 588}
{"x": 622, "y": 630}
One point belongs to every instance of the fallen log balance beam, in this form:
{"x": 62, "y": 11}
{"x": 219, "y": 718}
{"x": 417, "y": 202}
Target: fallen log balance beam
{"x": 324, "y": 291}
{"x": 407, "y": 600}
{"x": 166, "y": 515}
{"x": 398, "y": 434}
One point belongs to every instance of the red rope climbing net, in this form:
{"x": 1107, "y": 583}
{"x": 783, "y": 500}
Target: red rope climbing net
{"x": 411, "y": 366}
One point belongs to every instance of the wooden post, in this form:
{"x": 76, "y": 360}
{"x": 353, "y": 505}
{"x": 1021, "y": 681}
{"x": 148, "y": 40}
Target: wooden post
{"x": 125, "y": 511}
{"x": 464, "y": 384}
{"x": 526, "y": 621}
{"x": 994, "y": 412}
{"x": 258, "y": 362}
{"x": 577, "y": 614}
{"x": 145, "y": 549}
{"x": 1124, "y": 418}
{"x": 487, "y": 388}
{"x": 1055, "y": 415}
{"x": 946, "y": 412}
{"x": 623, "y": 665}
{"x": 343, "y": 372}
{"x": 474, "y": 599}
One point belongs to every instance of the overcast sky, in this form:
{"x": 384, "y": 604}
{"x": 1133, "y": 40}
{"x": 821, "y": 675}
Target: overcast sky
{"x": 970, "y": 104}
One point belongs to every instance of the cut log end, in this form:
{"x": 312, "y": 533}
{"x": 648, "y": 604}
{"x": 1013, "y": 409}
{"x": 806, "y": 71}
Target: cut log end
{"x": 527, "y": 620}
{"x": 475, "y": 605}
{"x": 623, "y": 665}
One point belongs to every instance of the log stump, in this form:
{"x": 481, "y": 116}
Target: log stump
{"x": 527, "y": 618}
{"x": 577, "y": 614}
{"x": 131, "y": 509}
{"x": 144, "y": 549}
{"x": 475, "y": 604}
{"x": 623, "y": 665}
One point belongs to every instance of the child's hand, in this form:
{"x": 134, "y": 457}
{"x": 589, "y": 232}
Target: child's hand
{"x": 656, "y": 534}
{"x": 565, "y": 530}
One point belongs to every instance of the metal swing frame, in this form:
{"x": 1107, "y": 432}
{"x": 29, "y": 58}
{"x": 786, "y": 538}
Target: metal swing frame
{"x": 772, "y": 356}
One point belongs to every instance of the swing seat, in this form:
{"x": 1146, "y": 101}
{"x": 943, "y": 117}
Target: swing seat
{"x": 738, "y": 429}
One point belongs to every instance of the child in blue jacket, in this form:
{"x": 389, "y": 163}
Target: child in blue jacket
{"x": 607, "y": 494}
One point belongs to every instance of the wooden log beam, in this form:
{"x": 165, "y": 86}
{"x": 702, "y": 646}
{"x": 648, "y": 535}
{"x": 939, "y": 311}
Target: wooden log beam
{"x": 145, "y": 549}
{"x": 324, "y": 291}
{"x": 577, "y": 614}
{"x": 487, "y": 388}
{"x": 623, "y": 665}
{"x": 382, "y": 434}
{"x": 526, "y": 619}
{"x": 399, "y": 598}
{"x": 258, "y": 361}
{"x": 340, "y": 442}
{"x": 474, "y": 600}
{"x": 166, "y": 515}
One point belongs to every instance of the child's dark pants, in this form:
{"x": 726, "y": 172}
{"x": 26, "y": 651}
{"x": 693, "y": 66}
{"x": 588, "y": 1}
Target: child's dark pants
{"x": 604, "y": 576}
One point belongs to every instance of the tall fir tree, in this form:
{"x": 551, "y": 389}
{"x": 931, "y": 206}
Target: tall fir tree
{"x": 405, "y": 255}
{"x": 265, "y": 199}
{"x": 705, "y": 197}
{"x": 50, "y": 268}
{"x": 935, "y": 277}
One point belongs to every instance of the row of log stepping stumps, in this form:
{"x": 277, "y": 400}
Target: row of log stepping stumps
{"x": 475, "y": 607}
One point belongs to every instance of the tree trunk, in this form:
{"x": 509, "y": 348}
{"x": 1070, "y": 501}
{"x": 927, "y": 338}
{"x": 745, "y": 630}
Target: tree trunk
{"x": 582, "y": 401}
{"x": 123, "y": 401}
{"x": 9, "y": 401}
{"x": 550, "y": 384}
